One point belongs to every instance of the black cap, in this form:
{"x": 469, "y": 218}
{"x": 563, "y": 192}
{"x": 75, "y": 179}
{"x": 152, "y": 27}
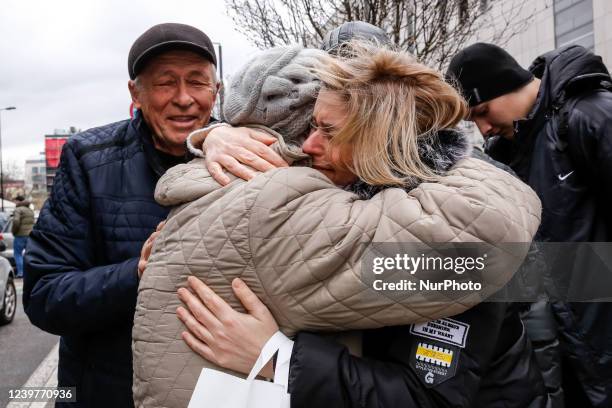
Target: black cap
{"x": 353, "y": 30}
{"x": 165, "y": 37}
{"x": 486, "y": 71}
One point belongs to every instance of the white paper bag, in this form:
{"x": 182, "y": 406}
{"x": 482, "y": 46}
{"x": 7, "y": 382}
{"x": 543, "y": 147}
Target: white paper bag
{"x": 216, "y": 389}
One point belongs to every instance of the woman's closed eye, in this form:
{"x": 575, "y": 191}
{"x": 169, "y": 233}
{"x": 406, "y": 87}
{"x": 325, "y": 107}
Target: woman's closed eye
{"x": 323, "y": 128}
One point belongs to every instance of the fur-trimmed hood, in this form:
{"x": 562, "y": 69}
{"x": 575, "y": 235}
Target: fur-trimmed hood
{"x": 439, "y": 151}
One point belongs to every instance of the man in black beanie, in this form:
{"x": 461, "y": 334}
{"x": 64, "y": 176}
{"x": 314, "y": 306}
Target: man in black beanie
{"x": 498, "y": 90}
{"x": 553, "y": 125}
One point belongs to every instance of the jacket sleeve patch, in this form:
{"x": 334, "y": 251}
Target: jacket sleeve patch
{"x": 448, "y": 331}
{"x": 433, "y": 361}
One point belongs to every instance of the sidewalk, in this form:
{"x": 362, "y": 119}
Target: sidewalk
{"x": 19, "y": 286}
{"x": 44, "y": 376}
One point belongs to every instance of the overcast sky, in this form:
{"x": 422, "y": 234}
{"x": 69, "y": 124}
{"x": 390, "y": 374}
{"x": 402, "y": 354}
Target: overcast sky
{"x": 64, "y": 62}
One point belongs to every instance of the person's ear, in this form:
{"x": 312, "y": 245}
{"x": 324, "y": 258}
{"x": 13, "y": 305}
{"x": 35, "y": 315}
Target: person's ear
{"x": 135, "y": 93}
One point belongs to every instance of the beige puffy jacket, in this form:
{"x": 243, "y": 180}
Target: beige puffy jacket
{"x": 297, "y": 240}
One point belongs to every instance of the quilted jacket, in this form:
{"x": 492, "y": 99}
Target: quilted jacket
{"x": 297, "y": 240}
{"x": 81, "y": 275}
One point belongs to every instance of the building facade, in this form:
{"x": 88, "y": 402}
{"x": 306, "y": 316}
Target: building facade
{"x": 553, "y": 24}
{"x": 35, "y": 175}
{"x": 556, "y": 23}
{"x": 53, "y": 150}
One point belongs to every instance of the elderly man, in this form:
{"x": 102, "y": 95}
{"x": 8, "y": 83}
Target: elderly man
{"x": 89, "y": 248}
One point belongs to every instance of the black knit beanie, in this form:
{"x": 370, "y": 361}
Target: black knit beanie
{"x": 486, "y": 71}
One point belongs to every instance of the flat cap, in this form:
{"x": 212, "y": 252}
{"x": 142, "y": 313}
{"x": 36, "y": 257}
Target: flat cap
{"x": 358, "y": 30}
{"x": 166, "y": 37}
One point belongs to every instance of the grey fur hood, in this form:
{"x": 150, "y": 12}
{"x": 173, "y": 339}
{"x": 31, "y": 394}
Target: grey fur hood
{"x": 440, "y": 151}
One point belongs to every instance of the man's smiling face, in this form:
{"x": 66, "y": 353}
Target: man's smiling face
{"x": 176, "y": 92}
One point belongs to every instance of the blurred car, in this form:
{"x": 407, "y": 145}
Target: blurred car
{"x": 6, "y": 242}
{"x": 8, "y": 293}
{"x": 4, "y": 217}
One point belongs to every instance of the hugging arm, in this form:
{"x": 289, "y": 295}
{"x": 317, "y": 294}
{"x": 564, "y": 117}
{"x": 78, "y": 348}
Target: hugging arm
{"x": 239, "y": 150}
{"x": 309, "y": 243}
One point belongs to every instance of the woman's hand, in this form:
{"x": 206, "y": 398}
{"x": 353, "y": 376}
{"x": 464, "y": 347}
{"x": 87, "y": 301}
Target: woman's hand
{"x": 234, "y": 149}
{"x": 222, "y": 335}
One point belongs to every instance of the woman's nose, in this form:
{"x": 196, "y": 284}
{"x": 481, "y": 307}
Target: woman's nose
{"x": 314, "y": 145}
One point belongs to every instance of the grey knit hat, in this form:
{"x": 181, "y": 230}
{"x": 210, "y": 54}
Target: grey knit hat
{"x": 277, "y": 89}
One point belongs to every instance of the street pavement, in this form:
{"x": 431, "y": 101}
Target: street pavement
{"x": 23, "y": 347}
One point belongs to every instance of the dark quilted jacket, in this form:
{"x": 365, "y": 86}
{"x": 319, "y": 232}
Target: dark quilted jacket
{"x": 82, "y": 257}
{"x": 564, "y": 152}
{"x": 494, "y": 368}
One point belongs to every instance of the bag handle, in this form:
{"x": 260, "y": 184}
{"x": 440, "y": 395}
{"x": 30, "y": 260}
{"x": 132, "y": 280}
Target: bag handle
{"x": 273, "y": 344}
{"x": 283, "y": 360}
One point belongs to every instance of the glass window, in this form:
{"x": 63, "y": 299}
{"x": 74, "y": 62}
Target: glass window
{"x": 574, "y": 23}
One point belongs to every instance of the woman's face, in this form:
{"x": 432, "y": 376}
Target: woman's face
{"x": 329, "y": 116}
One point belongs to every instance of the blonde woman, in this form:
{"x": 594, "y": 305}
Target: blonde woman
{"x": 384, "y": 169}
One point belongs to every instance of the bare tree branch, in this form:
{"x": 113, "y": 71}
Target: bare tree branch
{"x": 433, "y": 30}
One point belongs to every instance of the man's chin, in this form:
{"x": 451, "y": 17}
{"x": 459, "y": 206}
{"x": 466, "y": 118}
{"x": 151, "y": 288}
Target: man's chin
{"x": 171, "y": 142}
{"x": 508, "y": 135}
{"x": 175, "y": 137}
{"x": 176, "y": 133}
{"x": 180, "y": 135}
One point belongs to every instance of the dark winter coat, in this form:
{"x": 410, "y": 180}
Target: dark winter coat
{"x": 540, "y": 326}
{"x": 82, "y": 257}
{"x": 494, "y": 368}
{"x": 563, "y": 150}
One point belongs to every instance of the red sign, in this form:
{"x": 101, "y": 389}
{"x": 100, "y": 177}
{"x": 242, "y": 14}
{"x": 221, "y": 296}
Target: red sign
{"x": 53, "y": 150}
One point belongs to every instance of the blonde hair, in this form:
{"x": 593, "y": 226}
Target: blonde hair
{"x": 392, "y": 102}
